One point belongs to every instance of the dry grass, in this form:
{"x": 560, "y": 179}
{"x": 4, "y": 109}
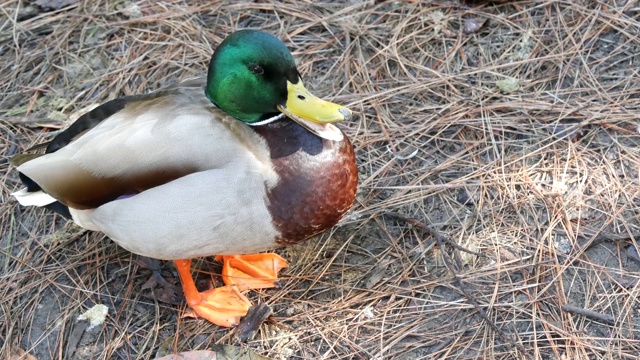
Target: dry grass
{"x": 543, "y": 181}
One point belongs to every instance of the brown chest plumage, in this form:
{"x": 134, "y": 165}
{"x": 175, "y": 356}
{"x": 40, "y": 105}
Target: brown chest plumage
{"x": 318, "y": 180}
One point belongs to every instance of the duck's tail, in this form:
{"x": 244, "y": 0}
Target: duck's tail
{"x": 32, "y": 194}
{"x": 33, "y": 198}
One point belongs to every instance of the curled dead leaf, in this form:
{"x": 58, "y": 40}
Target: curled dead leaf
{"x": 473, "y": 25}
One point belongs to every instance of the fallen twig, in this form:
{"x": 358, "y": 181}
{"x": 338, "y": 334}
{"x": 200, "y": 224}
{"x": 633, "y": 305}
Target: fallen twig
{"x": 608, "y": 319}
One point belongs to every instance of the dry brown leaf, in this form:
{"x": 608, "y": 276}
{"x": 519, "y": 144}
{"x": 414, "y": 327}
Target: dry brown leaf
{"x": 191, "y": 355}
{"x": 222, "y": 352}
{"x": 19, "y": 354}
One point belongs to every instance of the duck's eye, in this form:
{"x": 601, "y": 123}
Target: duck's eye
{"x": 256, "y": 69}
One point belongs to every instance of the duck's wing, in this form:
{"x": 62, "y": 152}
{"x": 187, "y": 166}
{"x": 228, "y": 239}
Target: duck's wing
{"x": 94, "y": 117}
{"x": 140, "y": 143}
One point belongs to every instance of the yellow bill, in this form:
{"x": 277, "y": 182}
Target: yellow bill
{"x": 313, "y": 113}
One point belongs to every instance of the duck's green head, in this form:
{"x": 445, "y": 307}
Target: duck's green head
{"x": 252, "y": 77}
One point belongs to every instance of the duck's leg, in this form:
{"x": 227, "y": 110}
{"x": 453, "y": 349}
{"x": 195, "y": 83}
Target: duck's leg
{"x": 222, "y": 306}
{"x": 255, "y": 271}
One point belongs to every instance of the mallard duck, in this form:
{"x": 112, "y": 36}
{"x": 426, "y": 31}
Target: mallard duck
{"x": 244, "y": 161}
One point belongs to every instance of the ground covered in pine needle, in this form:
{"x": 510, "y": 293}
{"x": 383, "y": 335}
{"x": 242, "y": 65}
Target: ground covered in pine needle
{"x": 498, "y": 213}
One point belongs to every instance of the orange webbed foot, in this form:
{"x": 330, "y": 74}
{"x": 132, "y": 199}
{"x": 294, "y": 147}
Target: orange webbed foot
{"x": 222, "y": 306}
{"x": 255, "y": 271}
